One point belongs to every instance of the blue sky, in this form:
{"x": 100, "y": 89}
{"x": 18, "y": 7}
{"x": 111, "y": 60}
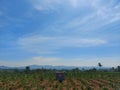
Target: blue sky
{"x": 60, "y": 32}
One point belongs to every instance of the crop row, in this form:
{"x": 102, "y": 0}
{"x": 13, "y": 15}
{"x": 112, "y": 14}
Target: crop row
{"x": 47, "y": 81}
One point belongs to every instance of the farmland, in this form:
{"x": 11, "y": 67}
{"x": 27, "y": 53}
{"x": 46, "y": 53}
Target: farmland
{"x": 46, "y": 80}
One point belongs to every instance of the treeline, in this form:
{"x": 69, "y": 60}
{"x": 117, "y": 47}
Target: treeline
{"x": 28, "y": 70}
{"x": 100, "y": 69}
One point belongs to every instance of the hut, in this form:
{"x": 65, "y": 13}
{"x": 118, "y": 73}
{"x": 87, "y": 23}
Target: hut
{"x": 60, "y": 76}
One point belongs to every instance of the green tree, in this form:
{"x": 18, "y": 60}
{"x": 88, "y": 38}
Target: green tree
{"x": 76, "y": 70}
{"x": 118, "y": 68}
{"x": 27, "y": 69}
{"x": 99, "y": 64}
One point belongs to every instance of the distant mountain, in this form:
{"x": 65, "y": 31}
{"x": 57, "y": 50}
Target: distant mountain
{"x": 53, "y": 67}
{"x": 4, "y": 67}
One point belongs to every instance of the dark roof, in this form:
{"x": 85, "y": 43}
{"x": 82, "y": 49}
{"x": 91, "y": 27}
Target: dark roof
{"x": 60, "y": 72}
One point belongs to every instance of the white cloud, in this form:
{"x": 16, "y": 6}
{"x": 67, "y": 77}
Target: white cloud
{"x": 49, "y": 44}
{"x": 95, "y": 20}
{"x": 36, "y": 60}
{"x": 102, "y": 14}
{"x": 91, "y": 61}
{"x": 45, "y": 60}
{"x": 55, "y": 4}
{"x": 79, "y": 3}
{"x": 77, "y": 61}
{"x": 45, "y": 4}
{"x": 74, "y": 3}
{"x": 52, "y": 4}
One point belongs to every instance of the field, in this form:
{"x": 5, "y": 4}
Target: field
{"x": 46, "y": 80}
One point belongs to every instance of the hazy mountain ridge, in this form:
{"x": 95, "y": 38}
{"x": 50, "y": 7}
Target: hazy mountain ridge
{"x": 53, "y": 67}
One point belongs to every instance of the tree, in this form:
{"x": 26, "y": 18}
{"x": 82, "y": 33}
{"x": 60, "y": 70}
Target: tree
{"x": 99, "y": 64}
{"x": 27, "y": 69}
{"x": 118, "y": 68}
{"x": 112, "y": 69}
{"x": 76, "y": 70}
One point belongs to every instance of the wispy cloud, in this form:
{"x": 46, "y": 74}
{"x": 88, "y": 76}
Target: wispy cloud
{"x": 102, "y": 13}
{"x": 45, "y": 4}
{"x": 78, "y": 61}
{"x": 36, "y": 60}
{"x": 44, "y": 60}
{"x": 95, "y": 20}
{"x": 93, "y": 61}
{"x": 42, "y": 43}
{"x": 57, "y": 4}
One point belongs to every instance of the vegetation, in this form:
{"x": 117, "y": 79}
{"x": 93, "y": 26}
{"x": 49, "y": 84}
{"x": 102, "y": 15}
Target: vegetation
{"x": 42, "y": 79}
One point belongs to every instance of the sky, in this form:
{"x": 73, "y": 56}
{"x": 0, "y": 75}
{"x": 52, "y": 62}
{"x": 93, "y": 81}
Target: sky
{"x": 60, "y": 32}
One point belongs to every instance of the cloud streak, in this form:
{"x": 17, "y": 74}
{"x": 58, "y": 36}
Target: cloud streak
{"x": 42, "y": 43}
{"x": 45, "y": 4}
{"x": 101, "y": 14}
{"x": 78, "y": 61}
